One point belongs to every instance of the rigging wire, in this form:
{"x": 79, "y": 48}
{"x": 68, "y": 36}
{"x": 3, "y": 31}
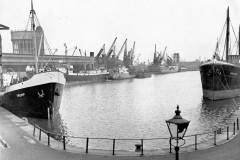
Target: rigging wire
{"x": 233, "y": 31}
{"x": 221, "y": 40}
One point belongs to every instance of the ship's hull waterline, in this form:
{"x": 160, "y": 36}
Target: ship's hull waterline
{"x": 220, "y": 80}
{"x": 39, "y": 97}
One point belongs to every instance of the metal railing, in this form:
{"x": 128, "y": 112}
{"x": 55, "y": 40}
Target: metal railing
{"x": 193, "y": 142}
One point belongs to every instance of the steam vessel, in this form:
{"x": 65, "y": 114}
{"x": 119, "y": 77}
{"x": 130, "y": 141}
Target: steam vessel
{"x": 221, "y": 78}
{"x": 34, "y": 94}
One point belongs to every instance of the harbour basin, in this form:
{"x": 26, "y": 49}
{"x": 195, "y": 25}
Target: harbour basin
{"x": 137, "y": 109}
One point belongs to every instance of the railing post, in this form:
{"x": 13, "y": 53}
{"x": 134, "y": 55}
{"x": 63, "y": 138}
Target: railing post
{"x": 234, "y": 128}
{"x": 141, "y": 147}
{"x": 64, "y": 143}
{"x": 34, "y": 128}
{"x": 196, "y": 142}
{"x": 237, "y": 124}
{"x": 48, "y": 134}
{"x": 113, "y": 151}
{"x": 40, "y": 130}
{"x": 170, "y": 145}
{"x": 215, "y": 137}
{"x": 87, "y": 145}
{"x": 227, "y": 133}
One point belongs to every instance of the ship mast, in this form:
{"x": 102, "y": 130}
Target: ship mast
{"x": 32, "y": 14}
{"x": 227, "y": 35}
{"x": 239, "y": 40}
{"x": 155, "y": 55}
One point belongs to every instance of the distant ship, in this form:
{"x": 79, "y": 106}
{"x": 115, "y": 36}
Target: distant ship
{"x": 120, "y": 74}
{"x": 34, "y": 94}
{"x": 140, "y": 70}
{"x": 90, "y": 76}
{"x": 221, "y": 79}
{"x": 163, "y": 64}
{"x": 143, "y": 74}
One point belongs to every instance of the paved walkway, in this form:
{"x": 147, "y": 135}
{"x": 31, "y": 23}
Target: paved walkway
{"x": 22, "y": 146}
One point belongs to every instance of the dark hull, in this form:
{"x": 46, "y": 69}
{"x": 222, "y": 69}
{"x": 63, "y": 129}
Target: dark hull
{"x": 220, "y": 80}
{"x": 120, "y": 76}
{"x": 86, "y": 78}
{"x": 39, "y": 101}
{"x": 143, "y": 75}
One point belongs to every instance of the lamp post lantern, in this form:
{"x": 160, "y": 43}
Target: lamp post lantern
{"x": 177, "y": 127}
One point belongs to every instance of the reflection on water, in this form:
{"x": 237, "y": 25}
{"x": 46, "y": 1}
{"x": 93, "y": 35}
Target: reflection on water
{"x": 219, "y": 113}
{"x": 138, "y": 108}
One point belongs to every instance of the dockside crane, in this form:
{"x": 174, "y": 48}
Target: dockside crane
{"x": 114, "y": 51}
{"x": 132, "y": 53}
{"x": 102, "y": 50}
{"x": 80, "y": 52}
{"x": 111, "y": 48}
{"x": 74, "y": 50}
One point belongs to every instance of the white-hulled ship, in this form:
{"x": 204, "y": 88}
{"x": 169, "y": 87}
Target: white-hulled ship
{"x": 221, "y": 79}
{"x": 38, "y": 94}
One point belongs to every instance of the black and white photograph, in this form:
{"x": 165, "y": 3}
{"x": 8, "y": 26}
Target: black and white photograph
{"x": 119, "y": 79}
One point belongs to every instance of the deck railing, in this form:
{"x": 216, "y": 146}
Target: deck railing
{"x": 193, "y": 142}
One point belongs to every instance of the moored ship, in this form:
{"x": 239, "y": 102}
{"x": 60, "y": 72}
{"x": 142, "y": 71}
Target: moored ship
{"x": 120, "y": 74}
{"x": 163, "y": 64}
{"x": 221, "y": 78}
{"x": 37, "y": 94}
{"x": 86, "y": 76}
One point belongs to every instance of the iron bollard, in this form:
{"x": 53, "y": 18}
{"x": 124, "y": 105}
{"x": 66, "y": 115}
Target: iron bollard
{"x": 40, "y": 131}
{"x": 113, "y": 151}
{"x": 227, "y": 133}
{"x": 215, "y": 137}
{"x": 234, "y": 128}
{"x": 48, "y": 134}
{"x": 196, "y": 142}
{"x": 64, "y": 143}
{"x": 237, "y": 124}
{"x": 87, "y": 145}
{"x": 170, "y": 145}
{"x": 34, "y": 128}
{"x": 142, "y": 147}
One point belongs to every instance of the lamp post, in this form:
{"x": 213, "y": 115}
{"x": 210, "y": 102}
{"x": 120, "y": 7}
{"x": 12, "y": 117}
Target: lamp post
{"x": 177, "y": 127}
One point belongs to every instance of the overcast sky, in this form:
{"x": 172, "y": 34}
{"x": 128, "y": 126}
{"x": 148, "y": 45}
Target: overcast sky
{"x": 190, "y": 27}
